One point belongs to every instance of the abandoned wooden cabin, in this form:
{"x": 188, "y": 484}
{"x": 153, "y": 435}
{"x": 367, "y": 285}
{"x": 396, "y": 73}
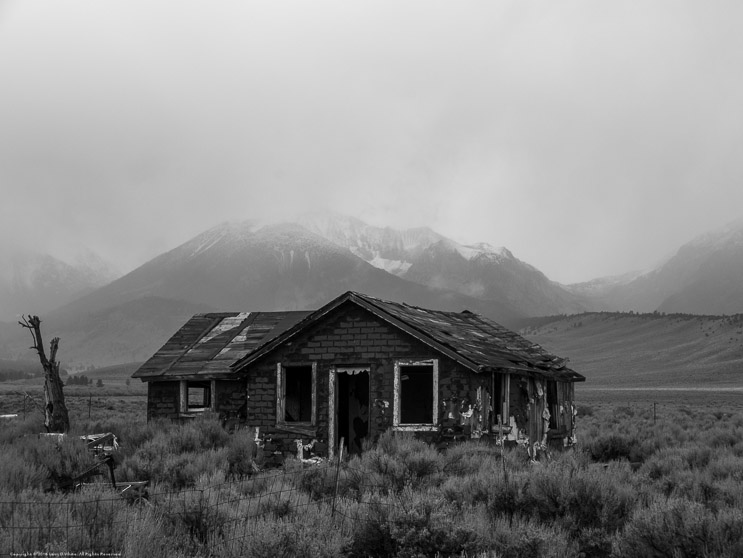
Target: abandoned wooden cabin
{"x": 359, "y": 366}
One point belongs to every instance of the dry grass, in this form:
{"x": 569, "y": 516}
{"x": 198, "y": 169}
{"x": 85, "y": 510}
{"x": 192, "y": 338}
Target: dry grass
{"x": 635, "y": 486}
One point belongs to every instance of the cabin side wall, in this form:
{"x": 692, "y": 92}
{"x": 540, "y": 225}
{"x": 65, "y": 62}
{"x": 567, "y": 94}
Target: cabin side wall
{"x": 541, "y": 414}
{"x": 163, "y": 399}
{"x": 228, "y": 400}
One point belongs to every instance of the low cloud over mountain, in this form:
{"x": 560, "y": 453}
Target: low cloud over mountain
{"x": 304, "y": 264}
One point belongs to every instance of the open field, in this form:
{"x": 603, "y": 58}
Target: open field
{"x": 672, "y": 398}
{"x": 83, "y": 402}
{"x": 635, "y": 485}
{"x": 647, "y": 350}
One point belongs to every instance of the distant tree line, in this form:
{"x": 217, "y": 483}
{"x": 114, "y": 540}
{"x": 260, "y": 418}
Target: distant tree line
{"x": 7, "y": 375}
{"x": 79, "y": 380}
{"x": 82, "y": 380}
{"x": 21, "y": 370}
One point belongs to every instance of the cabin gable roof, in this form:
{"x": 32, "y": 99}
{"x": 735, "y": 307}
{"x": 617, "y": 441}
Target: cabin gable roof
{"x": 473, "y": 341}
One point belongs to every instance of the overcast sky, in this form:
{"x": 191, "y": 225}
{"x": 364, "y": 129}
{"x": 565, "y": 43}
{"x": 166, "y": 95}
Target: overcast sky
{"x": 590, "y": 138}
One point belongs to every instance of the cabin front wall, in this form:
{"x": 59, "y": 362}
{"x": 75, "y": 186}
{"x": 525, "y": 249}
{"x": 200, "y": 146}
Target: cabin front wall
{"x": 350, "y": 338}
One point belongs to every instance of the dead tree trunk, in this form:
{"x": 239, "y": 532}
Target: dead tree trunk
{"x": 56, "y": 418}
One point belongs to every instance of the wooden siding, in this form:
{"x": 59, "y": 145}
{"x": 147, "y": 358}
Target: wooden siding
{"x": 351, "y": 336}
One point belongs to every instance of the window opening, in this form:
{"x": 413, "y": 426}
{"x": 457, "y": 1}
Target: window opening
{"x": 298, "y": 394}
{"x": 198, "y": 396}
{"x": 416, "y": 394}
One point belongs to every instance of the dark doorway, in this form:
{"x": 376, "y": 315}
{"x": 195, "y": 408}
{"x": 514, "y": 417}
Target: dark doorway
{"x": 353, "y": 409}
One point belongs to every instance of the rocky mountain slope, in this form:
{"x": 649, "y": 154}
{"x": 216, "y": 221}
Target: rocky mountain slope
{"x": 423, "y": 256}
{"x": 705, "y": 276}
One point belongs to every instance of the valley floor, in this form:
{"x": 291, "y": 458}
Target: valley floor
{"x": 655, "y": 472}
{"x": 700, "y": 398}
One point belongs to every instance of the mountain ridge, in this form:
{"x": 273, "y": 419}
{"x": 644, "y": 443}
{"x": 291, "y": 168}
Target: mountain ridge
{"x": 301, "y": 265}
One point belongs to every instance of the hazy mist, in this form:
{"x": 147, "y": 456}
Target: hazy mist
{"x": 589, "y": 138}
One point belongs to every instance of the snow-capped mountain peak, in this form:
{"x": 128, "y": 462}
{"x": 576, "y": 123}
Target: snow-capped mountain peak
{"x": 483, "y": 249}
{"x": 383, "y": 247}
{"x": 392, "y": 250}
{"x": 729, "y": 234}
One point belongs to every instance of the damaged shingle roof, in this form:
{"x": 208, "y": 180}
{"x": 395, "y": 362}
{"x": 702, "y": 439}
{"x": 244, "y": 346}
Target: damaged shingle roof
{"x": 475, "y": 342}
{"x": 208, "y": 344}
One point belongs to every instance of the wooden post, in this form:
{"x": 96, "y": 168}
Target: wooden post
{"x": 337, "y": 477}
{"x": 502, "y": 449}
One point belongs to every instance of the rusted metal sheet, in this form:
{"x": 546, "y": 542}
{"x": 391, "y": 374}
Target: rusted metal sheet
{"x": 208, "y": 343}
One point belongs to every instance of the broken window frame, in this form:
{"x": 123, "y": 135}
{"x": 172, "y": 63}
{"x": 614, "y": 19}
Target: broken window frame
{"x": 397, "y": 423}
{"x": 505, "y": 403}
{"x": 204, "y": 384}
{"x": 552, "y": 402}
{"x": 281, "y": 395}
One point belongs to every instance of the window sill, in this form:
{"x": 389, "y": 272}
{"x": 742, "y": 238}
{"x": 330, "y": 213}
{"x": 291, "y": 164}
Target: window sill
{"x": 303, "y": 429}
{"x": 415, "y": 428}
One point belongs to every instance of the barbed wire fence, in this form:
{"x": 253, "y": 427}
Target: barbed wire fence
{"x": 96, "y": 521}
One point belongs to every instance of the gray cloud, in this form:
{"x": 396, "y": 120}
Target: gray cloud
{"x": 589, "y": 138}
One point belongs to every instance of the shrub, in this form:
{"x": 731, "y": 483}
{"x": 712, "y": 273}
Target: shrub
{"x": 401, "y": 460}
{"x": 146, "y": 536}
{"x": 418, "y": 524}
{"x": 585, "y": 411}
{"x": 678, "y": 527}
{"x": 210, "y": 431}
{"x": 465, "y": 458}
{"x": 589, "y": 505}
{"x": 315, "y": 536}
{"x": 526, "y": 538}
{"x": 372, "y": 537}
{"x": 90, "y": 521}
{"x": 18, "y": 429}
{"x": 58, "y": 458}
{"x": 195, "y": 513}
{"x": 17, "y": 475}
{"x": 242, "y": 453}
{"x": 664, "y": 463}
{"x": 505, "y": 499}
{"x": 317, "y": 481}
{"x": 470, "y": 489}
{"x": 614, "y": 447}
